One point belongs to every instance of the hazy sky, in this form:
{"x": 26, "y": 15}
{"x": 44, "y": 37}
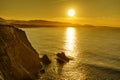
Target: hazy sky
{"x": 98, "y": 12}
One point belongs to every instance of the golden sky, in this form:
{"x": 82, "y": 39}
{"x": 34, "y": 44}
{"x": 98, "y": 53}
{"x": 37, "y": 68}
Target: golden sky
{"x": 97, "y": 12}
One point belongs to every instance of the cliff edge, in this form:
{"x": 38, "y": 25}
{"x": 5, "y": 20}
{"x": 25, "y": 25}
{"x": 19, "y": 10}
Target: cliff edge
{"x": 18, "y": 59}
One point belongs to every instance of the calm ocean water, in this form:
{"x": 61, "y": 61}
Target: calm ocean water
{"x": 95, "y": 52}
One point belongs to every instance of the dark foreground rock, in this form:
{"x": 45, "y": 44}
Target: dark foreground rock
{"x": 62, "y": 58}
{"x": 45, "y": 60}
{"x": 18, "y": 59}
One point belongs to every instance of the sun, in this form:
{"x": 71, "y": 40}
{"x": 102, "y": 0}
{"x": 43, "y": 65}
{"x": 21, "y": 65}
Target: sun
{"x": 71, "y": 12}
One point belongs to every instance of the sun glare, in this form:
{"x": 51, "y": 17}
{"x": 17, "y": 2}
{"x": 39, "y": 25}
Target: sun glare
{"x": 71, "y": 12}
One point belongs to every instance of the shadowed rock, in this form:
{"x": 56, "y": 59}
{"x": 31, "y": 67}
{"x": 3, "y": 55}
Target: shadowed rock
{"x": 62, "y": 58}
{"x": 45, "y": 60}
{"x": 18, "y": 59}
{"x": 42, "y": 71}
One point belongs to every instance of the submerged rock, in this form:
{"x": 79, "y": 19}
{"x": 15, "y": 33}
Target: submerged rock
{"x": 60, "y": 61}
{"x": 62, "y": 58}
{"x": 18, "y": 59}
{"x": 45, "y": 60}
{"x": 42, "y": 71}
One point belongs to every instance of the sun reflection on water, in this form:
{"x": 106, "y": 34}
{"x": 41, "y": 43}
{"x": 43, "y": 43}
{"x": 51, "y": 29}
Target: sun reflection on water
{"x": 70, "y": 41}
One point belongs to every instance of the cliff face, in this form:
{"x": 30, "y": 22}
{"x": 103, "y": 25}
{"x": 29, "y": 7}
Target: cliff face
{"x": 18, "y": 59}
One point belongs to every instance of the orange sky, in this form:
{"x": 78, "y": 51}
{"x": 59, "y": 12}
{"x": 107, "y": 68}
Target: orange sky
{"x": 96, "y": 12}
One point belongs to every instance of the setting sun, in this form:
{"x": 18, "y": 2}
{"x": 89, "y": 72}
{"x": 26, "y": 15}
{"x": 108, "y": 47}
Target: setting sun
{"x": 71, "y": 12}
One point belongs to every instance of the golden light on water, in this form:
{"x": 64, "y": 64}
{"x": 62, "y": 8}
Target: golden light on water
{"x": 70, "y": 41}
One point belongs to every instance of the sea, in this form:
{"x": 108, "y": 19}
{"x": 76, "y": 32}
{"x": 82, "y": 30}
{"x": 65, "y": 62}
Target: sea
{"x": 94, "y": 52}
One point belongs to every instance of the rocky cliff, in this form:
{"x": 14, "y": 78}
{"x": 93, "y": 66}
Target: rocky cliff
{"x": 18, "y": 59}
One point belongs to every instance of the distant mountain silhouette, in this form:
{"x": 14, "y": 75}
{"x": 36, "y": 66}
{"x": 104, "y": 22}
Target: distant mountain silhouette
{"x": 1, "y": 19}
{"x": 40, "y": 23}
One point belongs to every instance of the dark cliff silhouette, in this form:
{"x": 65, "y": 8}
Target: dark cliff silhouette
{"x": 18, "y": 59}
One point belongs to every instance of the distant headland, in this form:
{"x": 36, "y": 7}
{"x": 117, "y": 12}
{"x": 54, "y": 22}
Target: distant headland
{"x": 41, "y": 23}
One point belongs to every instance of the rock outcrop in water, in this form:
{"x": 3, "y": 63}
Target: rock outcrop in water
{"x": 18, "y": 59}
{"x": 45, "y": 60}
{"x": 62, "y": 58}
